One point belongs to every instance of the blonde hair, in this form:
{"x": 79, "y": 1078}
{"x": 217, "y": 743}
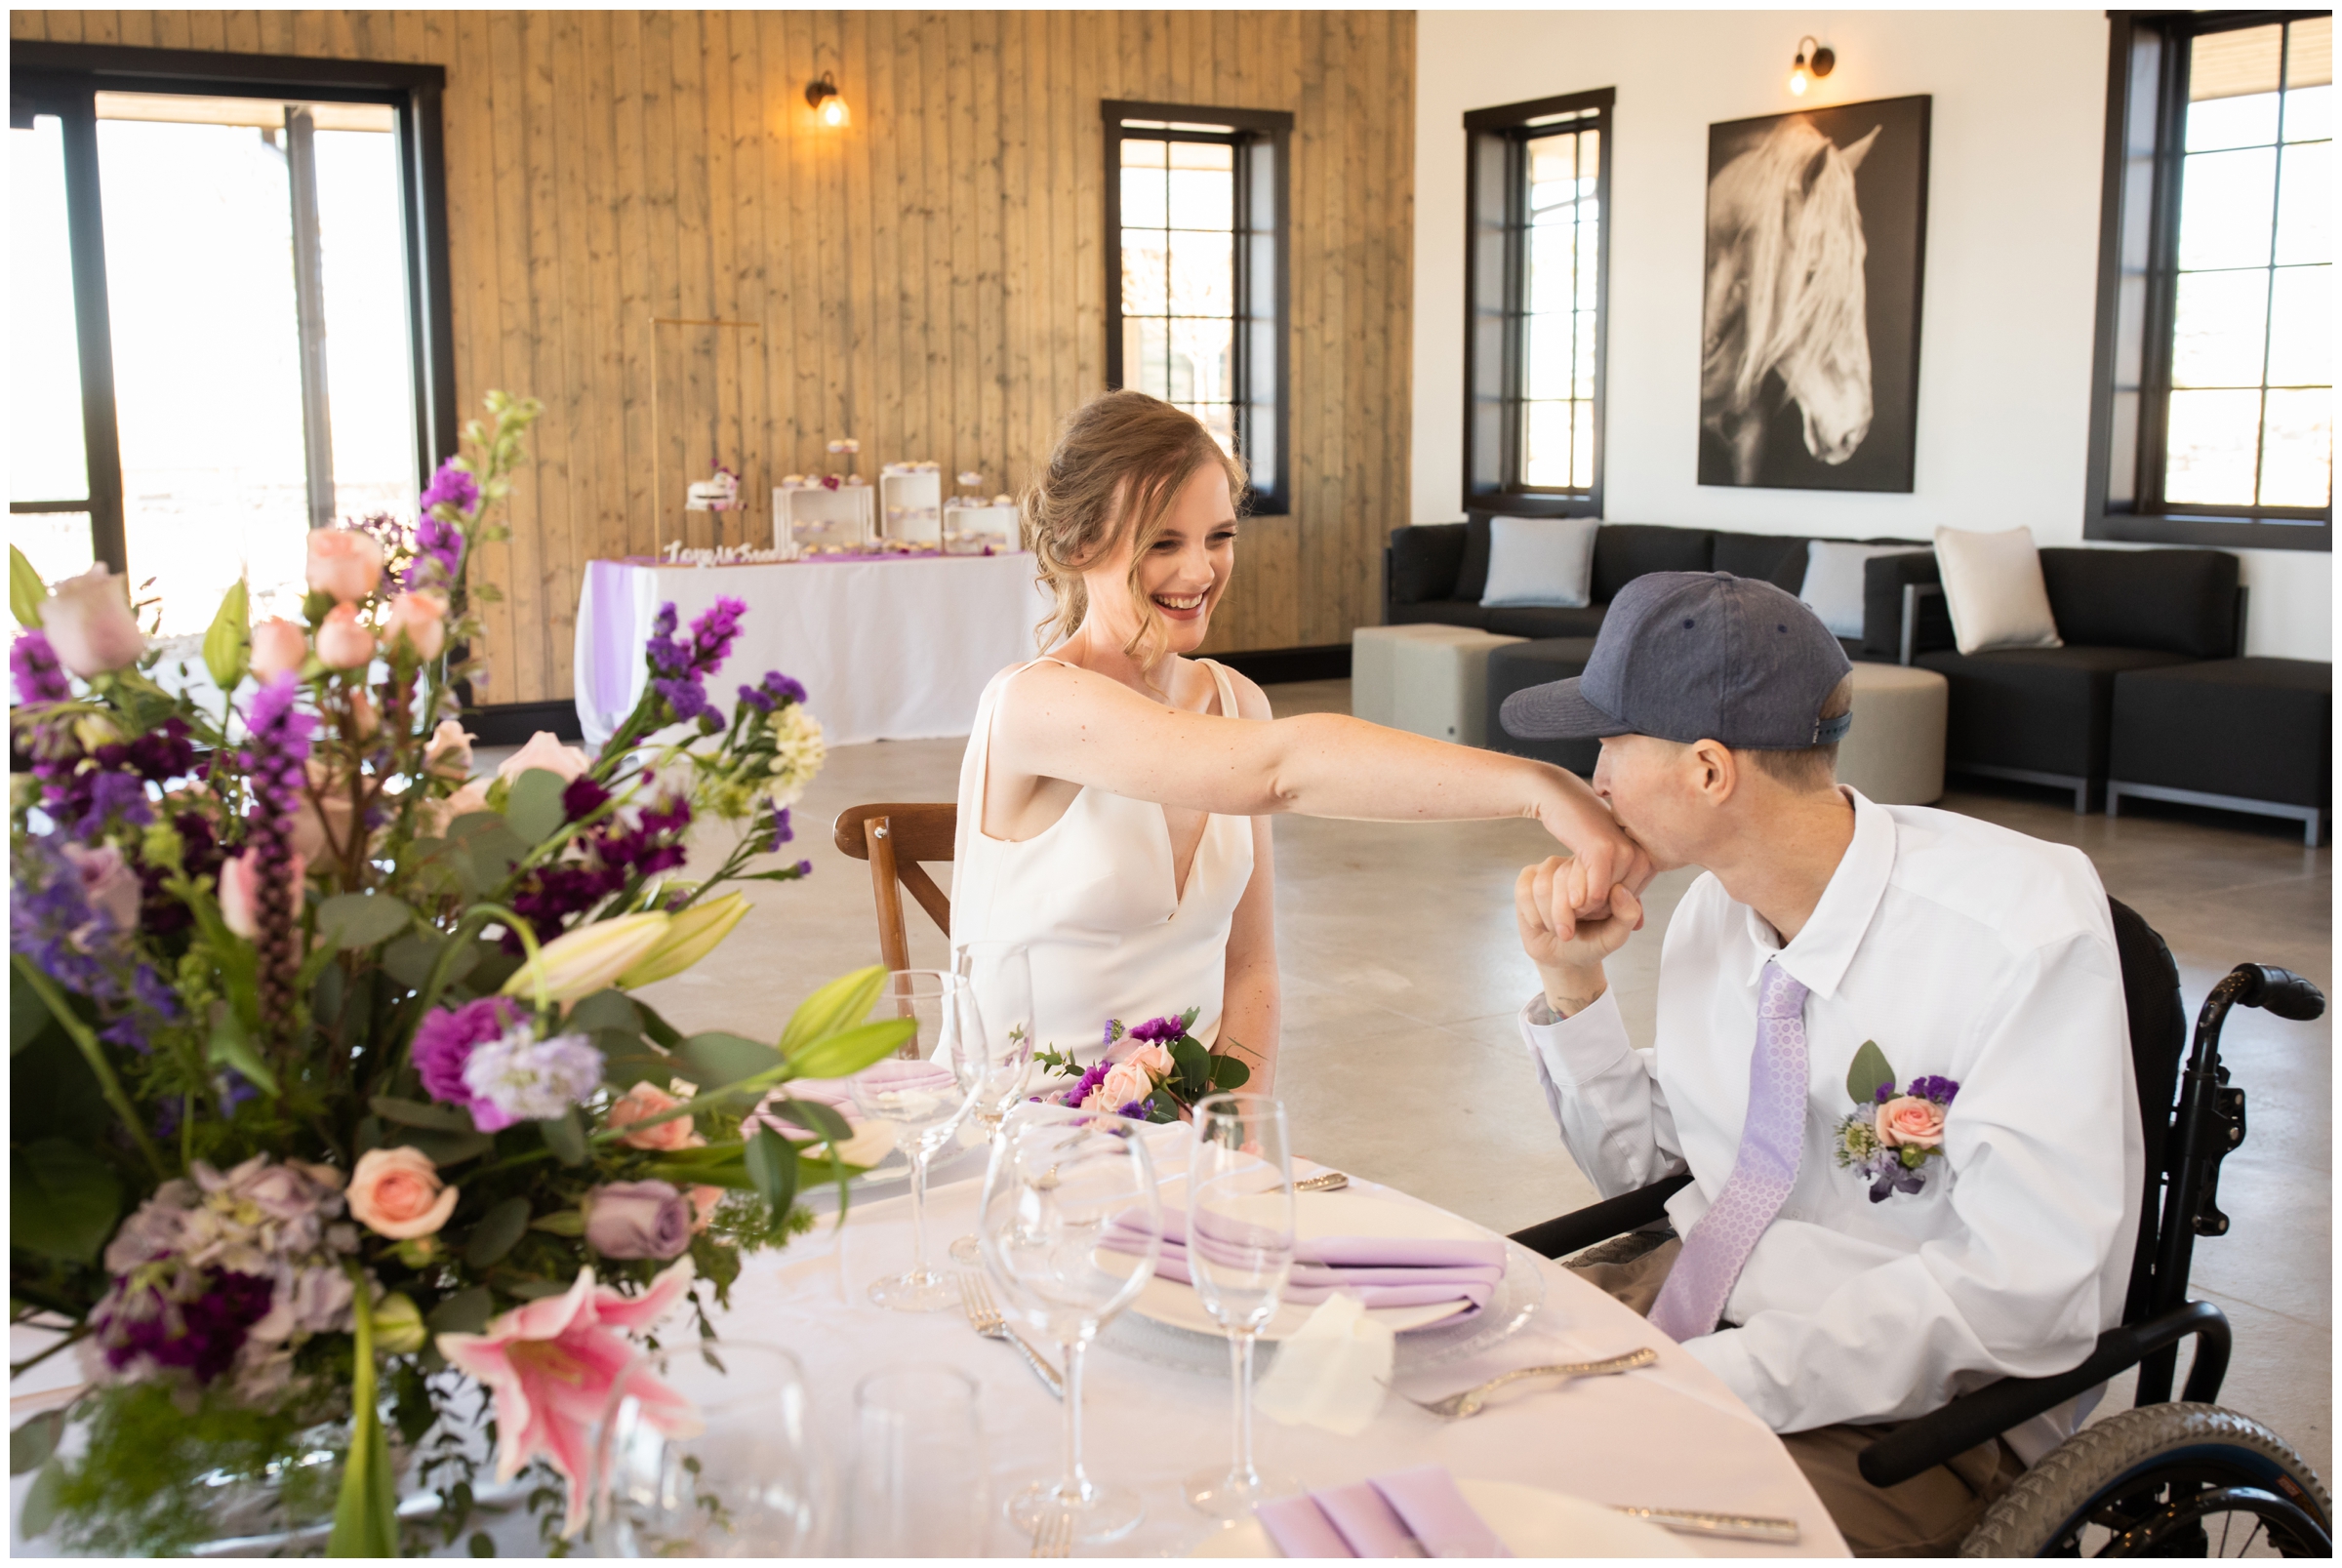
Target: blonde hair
{"x": 1807, "y": 767}
{"x": 1120, "y": 460}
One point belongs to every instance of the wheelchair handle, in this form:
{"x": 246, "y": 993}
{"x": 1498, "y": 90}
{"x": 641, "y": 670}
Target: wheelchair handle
{"x": 2278, "y": 990}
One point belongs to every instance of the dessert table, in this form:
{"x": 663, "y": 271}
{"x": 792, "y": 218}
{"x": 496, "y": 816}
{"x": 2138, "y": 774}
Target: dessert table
{"x": 1669, "y": 1435}
{"x": 888, "y": 649}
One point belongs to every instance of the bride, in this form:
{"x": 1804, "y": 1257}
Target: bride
{"x": 1115, "y": 794}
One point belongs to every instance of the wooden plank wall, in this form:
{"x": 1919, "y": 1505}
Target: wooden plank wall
{"x": 929, "y": 280}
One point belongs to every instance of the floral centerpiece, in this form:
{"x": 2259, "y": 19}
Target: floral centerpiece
{"x": 1153, "y": 1072}
{"x": 334, "y": 1112}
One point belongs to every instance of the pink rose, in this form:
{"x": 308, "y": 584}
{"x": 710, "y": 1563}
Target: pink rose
{"x": 544, "y": 751}
{"x": 1125, "y": 1082}
{"x": 341, "y": 642}
{"x": 90, "y": 624}
{"x": 344, "y": 563}
{"x": 396, "y": 1192}
{"x": 1154, "y": 1058}
{"x": 417, "y": 624}
{"x": 107, "y": 884}
{"x": 240, "y": 891}
{"x": 1906, "y": 1119}
{"x": 277, "y": 647}
{"x": 646, "y": 1099}
{"x": 449, "y": 753}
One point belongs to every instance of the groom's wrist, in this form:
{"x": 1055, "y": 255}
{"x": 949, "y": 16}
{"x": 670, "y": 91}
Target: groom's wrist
{"x": 1571, "y": 988}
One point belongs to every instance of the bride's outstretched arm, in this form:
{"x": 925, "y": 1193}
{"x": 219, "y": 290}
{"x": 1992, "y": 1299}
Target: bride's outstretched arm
{"x": 1251, "y": 1008}
{"x": 1061, "y": 722}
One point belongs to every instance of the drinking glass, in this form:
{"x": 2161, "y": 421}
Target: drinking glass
{"x": 1064, "y": 1185}
{"x": 1239, "y": 1256}
{"x": 1001, "y": 972}
{"x": 920, "y": 1090}
{"x": 750, "y": 1483}
{"x": 920, "y": 1482}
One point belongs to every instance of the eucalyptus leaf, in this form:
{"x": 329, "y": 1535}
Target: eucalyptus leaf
{"x": 467, "y": 1311}
{"x": 362, "y": 919}
{"x": 415, "y": 1113}
{"x": 843, "y": 1055}
{"x": 27, "y": 1015}
{"x": 837, "y": 1006}
{"x": 31, "y": 1445}
{"x": 39, "y": 1511}
{"x": 660, "y": 1031}
{"x": 446, "y": 1148}
{"x": 564, "y": 1136}
{"x": 627, "y": 1060}
{"x": 227, "y": 645}
{"x": 535, "y": 807}
{"x": 773, "y": 1168}
{"x": 1229, "y": 1073}
{"x": 1868, "y": 1071}
{"x": 496, "y": 1233}
{"x": 230, "y": 1046}
{"x": 62, "y": 1199}
{"x": 606, "y": 1009}
{"x": 410, "y": 958}
{"x": 487, "y": 847}
{"x": 716, "y": 1058}
{"x": 816, "y": 1118}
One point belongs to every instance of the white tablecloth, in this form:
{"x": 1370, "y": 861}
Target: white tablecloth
{"x": 1669, "y": 1435}
{"x": 890, "y": 650}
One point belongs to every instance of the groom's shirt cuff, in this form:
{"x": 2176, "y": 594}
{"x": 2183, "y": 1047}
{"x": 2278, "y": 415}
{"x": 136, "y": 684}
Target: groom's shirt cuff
{"x": 1577, "y": 1051}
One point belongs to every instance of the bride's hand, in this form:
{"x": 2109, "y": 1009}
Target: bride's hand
{"x": 1603, "y": 855}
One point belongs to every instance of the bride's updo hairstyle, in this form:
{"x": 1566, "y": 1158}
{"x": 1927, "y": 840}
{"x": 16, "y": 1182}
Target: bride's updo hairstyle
{"x": 1120, "y": 461}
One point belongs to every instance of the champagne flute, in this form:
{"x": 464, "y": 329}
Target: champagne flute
{"x": 1001, "y": 972}
{"x": 920, "y": 1479}
{"x": 920, "y": 1091}
{"x": 743, "y": 1476}
{"x": 1065, "y": 1185}
{"x": 1239, "y": 1254}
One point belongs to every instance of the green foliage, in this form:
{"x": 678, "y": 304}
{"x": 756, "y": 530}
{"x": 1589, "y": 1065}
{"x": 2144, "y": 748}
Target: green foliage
{"x": 28, "y": 1017}
{"x": 27, "y": 593}
{"x": 62, "y": 1199}
{"x": 565, "y": 1137}
{"x": 1869, "y": 1070}
{"x": 231, "y": 1045}
{"x": 361, "y": 919}
{"x": 227, "y": 644}
{"x": 717, "y": 1058}
{"x": 772, "y": 1166}
{"x": 835, "y": 1007}
{"x": 497, "y": 1232}
{"x": 849, "y": 1051}
{"x": 533, "y": 808}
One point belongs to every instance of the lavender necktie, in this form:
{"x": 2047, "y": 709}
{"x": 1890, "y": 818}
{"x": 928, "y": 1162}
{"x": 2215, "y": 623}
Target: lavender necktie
{"x": 1772, "y": 1143}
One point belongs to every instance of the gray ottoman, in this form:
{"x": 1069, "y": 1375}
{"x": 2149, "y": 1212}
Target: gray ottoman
{"x": 1524, "y": 665}
{"x": 1425, "y": 678}
{"x": 2251, "y": 734}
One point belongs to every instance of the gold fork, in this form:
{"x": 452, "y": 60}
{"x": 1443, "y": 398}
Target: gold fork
{"x": 1053, "y": 1535}
{"x": 1459, "y": 1406}
{"x": 976, "y": 1298}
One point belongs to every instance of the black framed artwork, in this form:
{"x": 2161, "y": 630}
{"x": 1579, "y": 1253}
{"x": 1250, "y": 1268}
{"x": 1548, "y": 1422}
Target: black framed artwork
{"x": 1817, "y": 236}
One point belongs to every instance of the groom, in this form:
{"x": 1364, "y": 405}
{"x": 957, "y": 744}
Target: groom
{"x": 1842, "y": 1265}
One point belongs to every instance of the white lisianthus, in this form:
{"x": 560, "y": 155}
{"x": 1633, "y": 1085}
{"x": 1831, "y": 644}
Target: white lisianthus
{"x": 798, "y": 752}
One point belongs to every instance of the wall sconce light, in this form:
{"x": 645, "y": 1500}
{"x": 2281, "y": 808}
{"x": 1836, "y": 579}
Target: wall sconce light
{"x": 1802, "y": 73}
{"x": 827, "y": 106}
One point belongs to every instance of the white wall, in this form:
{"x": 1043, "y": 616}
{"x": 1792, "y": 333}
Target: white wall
{"x": 2011, "y": 267}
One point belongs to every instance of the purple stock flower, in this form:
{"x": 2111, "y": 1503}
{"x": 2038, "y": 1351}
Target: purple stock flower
{"x": 454, "y": 487}
{"x": 1089, "y": 1082}
{"x": 680, "y": 667}
{"x": 772, "y": 692}
{"x": 1930, "y": 1087}
{"x": 444, "y": 1043}
{"x": 581, "y": 798}
{"x": 1884, "y": 1093}
{"x": 517, "y": 1077}
{"x": 1135, "y": 1110}
{"x": 40, "y": 678}
{"x": 1160, "y": 1030}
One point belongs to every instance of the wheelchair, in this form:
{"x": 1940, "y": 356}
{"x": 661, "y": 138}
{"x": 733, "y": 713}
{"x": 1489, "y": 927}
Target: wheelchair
{"x": 2164, "y": 1479}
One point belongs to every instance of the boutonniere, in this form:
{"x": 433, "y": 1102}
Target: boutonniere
{"x": 1893, "y": 1133}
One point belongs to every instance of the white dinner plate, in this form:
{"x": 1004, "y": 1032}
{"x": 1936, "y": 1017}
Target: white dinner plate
{"x": 1531, "y": 1522}
{"x": 1345, "y": 1212}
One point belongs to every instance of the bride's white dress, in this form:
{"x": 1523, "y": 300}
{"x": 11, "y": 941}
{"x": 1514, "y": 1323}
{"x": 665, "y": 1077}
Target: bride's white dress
{"x": 1092, "y": 897}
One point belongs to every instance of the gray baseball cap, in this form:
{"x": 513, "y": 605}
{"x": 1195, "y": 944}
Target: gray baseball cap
{"x": 1696, "y": 656}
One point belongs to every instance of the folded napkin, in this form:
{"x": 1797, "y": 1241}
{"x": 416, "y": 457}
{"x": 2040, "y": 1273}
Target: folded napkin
{"x": 1332, "y": 1373}
{"x": 1409, "y": 1513}
{"x": 1383, "y": 1271}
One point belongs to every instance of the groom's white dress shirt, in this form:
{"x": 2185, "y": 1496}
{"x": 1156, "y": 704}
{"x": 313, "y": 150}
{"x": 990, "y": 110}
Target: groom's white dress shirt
{"x": 1966, "y": 952}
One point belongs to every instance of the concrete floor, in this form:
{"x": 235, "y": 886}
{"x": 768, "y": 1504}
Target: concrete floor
{"x": 1401, "y": 973}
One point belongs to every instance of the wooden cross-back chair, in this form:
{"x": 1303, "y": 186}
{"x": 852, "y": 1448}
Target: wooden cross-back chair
{"x": 894, "y": 837}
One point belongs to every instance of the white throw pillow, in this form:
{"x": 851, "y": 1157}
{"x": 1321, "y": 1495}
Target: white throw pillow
{"x": 1992, "y": 587}
{"x": 1540, "y": 561}
{"x": 1832, "y": 587}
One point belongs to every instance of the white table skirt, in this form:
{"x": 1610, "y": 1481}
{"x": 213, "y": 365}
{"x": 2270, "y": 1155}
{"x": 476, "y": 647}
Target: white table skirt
{"x": 1669, "y": 1435}
{"x": 890, "y": 650}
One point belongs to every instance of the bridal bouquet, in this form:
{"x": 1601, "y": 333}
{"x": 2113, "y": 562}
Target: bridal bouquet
{"x": 333, "y": 1117}
{"x": 1155, "y": 1071}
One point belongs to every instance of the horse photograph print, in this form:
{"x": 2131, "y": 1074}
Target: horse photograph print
{"x": 1809, "y": 353}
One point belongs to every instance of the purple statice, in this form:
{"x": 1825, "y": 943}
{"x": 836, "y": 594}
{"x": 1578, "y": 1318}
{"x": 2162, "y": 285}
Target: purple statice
{"x": 1884, "y": 1093}
{"x": 517, "y": 1077}
{"x": 446, "y": 1039}
{"x": 581, "y": 798}
{"x": 1929, "y": 1087}
{"x": 713, "y": 635}
{"x": 680, "y": 666}
{"x": 1164, "y": 1032}
{"x": 277, "y": 753}
{"x": 614, "y": 851}
{"x": 40, "y": 677}
{"x": 1135, "y": 1110}
{"x": 452, "y": 486}
{"x": 1088, "y": 1082}
{"x": 774, "y": 691}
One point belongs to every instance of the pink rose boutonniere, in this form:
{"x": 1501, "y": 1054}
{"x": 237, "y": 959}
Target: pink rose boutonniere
{"x": 1151, "y": 1072}
{"x": 1893, "y": 1133}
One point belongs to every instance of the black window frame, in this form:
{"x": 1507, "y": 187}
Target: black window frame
{"x": 1495, "y": 230}
{"x": 65, "y": 79}
{"x": 2138, "y": 244}
{"x": 1262, "y": 140}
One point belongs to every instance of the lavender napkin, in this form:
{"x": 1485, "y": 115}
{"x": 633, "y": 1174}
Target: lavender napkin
{"x": 1300, "y": 1528}
{"x": 1409, "y": 1513}
{"x": 1428, "y": 1498}
{"x": 1383, "y": 1271}
{"x": 1365, "y": 1521}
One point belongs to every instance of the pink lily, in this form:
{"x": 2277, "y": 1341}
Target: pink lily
{"x": 554, "y": 1365}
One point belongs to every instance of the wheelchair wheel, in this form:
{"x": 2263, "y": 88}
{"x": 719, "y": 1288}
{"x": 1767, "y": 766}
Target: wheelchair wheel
{"x": 2169, "y": 1480}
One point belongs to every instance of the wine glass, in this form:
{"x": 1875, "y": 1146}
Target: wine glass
{"x": 749, "y": 1483}
{"x": 1001, "y": 972}
{"x": 1239, "y": 1254}
{"x": 920, "y": 1481}
{"x": 920, "y": 1091}
{"x": 1064, "y": 1187}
